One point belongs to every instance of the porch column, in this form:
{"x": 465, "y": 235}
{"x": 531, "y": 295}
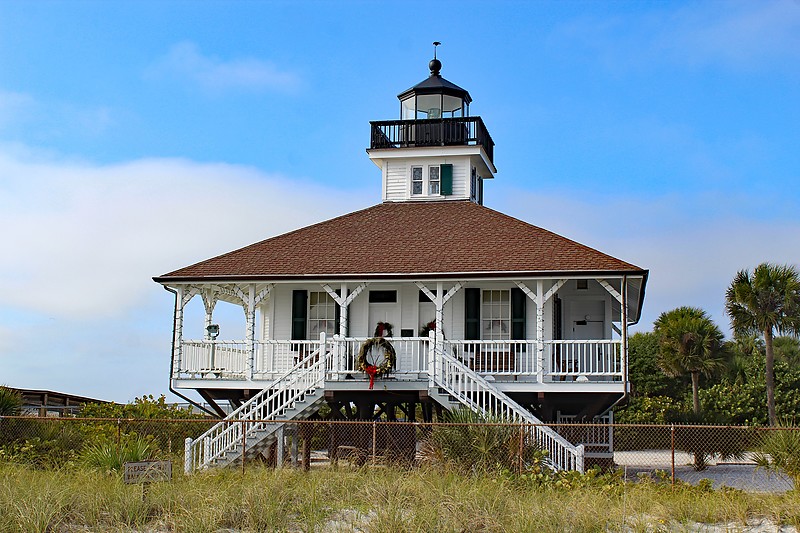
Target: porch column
{"x": 439, "y": 302}
{"x": 251, "y": 330}
{"x": 178, "y": 332}
{"x": 540, "y": 329}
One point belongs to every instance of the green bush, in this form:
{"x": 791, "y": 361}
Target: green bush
{"x": 779, "y": 450}
{"x": 478, "y": 443}
{"x": 10, "y": 401}
{"x": 111, "y": 457}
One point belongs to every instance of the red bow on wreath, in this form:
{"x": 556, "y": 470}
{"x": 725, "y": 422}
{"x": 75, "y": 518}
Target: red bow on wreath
{"x": 371, "y": 371}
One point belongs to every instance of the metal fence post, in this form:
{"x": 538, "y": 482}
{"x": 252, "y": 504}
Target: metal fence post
{"x": 374, "y": 440}
{"x": 672, "y": 449}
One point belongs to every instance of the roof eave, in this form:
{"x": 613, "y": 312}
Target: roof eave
{"x": 166, "y": 279}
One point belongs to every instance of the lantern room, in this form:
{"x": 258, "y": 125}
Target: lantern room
{"x": 434, "y": 98}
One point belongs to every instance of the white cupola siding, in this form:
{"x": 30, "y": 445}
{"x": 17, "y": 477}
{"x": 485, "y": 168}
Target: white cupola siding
{"x": 434, "y": 177}
{"x": 436, "y": 151}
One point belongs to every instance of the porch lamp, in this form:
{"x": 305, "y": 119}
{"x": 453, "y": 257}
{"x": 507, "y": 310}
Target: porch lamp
{"x": 213, "y": 333}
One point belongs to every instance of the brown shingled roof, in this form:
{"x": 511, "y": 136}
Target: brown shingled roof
{"x": 401, "y": 239}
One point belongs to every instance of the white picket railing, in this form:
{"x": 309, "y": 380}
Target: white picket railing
{"x": 572, "y": 360}
{"x": 587, "y": 359}
{"x": 412, "y": 355}
{"x": 278, "y": 356}
{"x": 505, "y": 357}
{"x": 269, "y": 404}
{"x": 464, "y": 384}
{"x": 214, "y": 359}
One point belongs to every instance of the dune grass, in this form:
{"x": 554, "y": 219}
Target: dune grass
{"x": 366, "y": 499}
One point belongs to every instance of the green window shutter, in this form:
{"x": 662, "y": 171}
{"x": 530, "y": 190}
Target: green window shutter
{"x": 299, "y": 314}
{"x": 447, "y": 179}
{"x": 472, "y": 314}
{"x": 518, "y": 302}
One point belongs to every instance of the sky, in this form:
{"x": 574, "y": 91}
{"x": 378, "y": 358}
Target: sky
{"x": 140, "y": 137}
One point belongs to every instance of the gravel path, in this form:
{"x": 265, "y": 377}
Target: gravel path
{"x": 739, "y": 475}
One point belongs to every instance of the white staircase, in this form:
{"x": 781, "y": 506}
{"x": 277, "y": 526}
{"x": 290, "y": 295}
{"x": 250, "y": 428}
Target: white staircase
{"x": 454, "y": 379}
{"x": 254, "y": 426}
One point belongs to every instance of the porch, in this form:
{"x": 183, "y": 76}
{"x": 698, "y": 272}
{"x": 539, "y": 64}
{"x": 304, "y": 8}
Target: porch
{"x": 551, "y": 362}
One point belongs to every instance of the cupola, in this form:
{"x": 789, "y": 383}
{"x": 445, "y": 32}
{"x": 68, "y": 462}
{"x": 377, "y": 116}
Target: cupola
{"x": 436, "y": 151}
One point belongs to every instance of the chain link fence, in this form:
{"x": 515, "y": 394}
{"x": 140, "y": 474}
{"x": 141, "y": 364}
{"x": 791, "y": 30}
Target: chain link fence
{"x": 722, "y": 456}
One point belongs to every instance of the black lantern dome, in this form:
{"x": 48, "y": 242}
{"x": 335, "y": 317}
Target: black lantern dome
{"x": 434, "y": 98}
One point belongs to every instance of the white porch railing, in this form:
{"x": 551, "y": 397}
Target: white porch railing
{"x": 584, "y": 360}
{"x": 565, "y": 360}
{"x": 475, "y": 392}
{"x": 507, "y": 357}
{"x": 214, "y": 359}
{"x": 412, "y": 355}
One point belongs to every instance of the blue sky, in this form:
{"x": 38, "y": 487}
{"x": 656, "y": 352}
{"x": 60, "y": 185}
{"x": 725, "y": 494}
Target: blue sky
{"x": 139, "y": 137}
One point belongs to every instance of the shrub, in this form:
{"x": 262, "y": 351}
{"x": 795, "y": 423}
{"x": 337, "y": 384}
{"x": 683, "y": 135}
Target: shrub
{"x": 779, "y": 450}
{"x": 10, "y": 401}
{"x": 110, "y": 457}
{"x": 479, "y": 443}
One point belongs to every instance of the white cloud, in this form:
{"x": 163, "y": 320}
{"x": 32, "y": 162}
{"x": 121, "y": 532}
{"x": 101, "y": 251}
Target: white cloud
{"x": 83, "y": 240}
{"x": 212, "y": 73}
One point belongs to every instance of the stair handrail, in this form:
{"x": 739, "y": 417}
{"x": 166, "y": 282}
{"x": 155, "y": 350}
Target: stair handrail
{"x": 280, "y": 394}
{"x": 562, "y": 455}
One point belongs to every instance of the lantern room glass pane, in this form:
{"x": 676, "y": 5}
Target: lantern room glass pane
{"x": 429, "y": 106}
{"x": 452, "y": 106}
{"x": 407, "y": 109}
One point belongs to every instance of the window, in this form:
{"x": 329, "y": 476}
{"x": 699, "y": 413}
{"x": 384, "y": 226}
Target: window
{"x": 416, "y": 180}
{"x": 496, "y": 314}
{"x": 433, "y": 180}
{"x": 321, "y": 314}
{"x": 382, "y": 297}
{"x": 582, "y": 284}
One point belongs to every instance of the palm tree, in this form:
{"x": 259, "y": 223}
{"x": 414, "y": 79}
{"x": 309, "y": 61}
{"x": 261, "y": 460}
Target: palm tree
{"x": 766, "y": 301}
{"x": 688, "y": 343}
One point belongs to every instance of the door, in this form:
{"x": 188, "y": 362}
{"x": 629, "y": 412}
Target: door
{"x": 388, "y": 312}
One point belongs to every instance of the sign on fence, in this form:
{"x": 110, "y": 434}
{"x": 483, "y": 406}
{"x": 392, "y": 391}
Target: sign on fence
{"x": 148, "y": 471}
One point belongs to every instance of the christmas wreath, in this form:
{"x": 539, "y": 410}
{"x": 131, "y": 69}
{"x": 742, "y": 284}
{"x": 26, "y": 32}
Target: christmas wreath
{"x": 373, "y": 370}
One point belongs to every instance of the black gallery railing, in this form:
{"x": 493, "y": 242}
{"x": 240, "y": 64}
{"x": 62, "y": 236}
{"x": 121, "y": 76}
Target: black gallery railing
{"x": 431, "y": 132}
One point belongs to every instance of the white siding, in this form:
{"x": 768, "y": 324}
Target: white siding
{"x": 397, "y": 180}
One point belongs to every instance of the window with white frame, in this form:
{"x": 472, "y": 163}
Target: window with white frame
{"x": 433, "y": 180}
{"x": 416, "y": 180}
{"x": 496, "y": 314}
{"x": 321, "y": 314}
